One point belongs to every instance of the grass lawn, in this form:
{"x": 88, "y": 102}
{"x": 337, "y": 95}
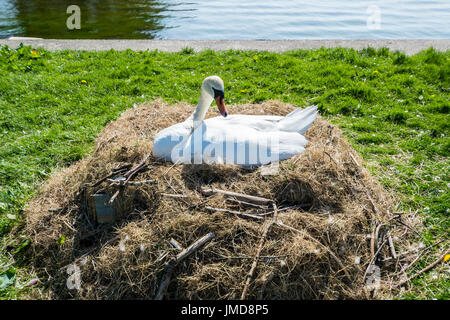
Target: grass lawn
{"x": 393, "y": 108}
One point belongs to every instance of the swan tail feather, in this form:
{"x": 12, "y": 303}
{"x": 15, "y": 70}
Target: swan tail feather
{"x": 298, "y": 120}
{"x": 293, "y": 113}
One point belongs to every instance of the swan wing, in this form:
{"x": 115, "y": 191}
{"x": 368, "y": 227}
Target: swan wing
{"x": 242, "y": 145}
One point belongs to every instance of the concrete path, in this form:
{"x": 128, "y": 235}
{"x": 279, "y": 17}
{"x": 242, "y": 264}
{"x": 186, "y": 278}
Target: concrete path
{"x": 407, "y": 46}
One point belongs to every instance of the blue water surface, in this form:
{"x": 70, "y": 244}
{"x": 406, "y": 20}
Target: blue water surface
{"x": 231, "y": 20}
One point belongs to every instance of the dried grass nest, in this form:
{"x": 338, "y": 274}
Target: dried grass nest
{"x": 339, "y": 221}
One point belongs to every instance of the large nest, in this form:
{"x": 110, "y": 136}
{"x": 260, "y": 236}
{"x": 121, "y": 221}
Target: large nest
{"x": 337, "y": 217}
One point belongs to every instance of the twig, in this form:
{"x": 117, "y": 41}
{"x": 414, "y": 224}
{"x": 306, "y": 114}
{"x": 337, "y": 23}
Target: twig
{"x": 169, "y": 184}
{"x": 374, "y": 207}
{"x": 162, "y": 256}
{"x": 331, "y": 158}
{"x": 139, "y": 167}
{"x": 240, "y": 214}
{"x": 198, "y": 204}
{"x": 391, "y": 245}
{"x": 298, "y": 206}
{"x": 69, "y": 226}
{"x": 170, "y": 195}
{"x": 114, "y": 197}
{"x": 406, "y": 225}
{"x": 429, "y": 267}
{"x": 112, "y": 174}
{"x": 122, "y": 167}
{"x": 238, "y": 196}
{"x": 377, "y": 235}
{"x": 133, "y": 183}
{"x": 260, "y": 257}
{"x": 404, "y": 268}
{"x": 258, "y": 253}
{"x": 354, "y": 159}
{"x": 170, "y": 168}
{"x": 372, "y": 242}
{"x": 170, "y": 266}
{"x": 247, "y": 204}
{"x": 85, "y": 215}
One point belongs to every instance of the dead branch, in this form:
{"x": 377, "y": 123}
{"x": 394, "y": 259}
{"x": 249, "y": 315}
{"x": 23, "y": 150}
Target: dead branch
{"x": 131, "y": 183}
{"x": 170, "y": 266}
{"x": 170, "y": 195}
{"x": 237, "y": 213}
{"x": 238, "y": 196}
{"x": 377, "y": 235}
{"x": 136, "y": 169}
{"x": 372, "y": 242}
{"x": 112, "y": 174}
{"x": 247, "y": 204}
{"x": 111, "y": 201}
{"x": 391, "y": 245}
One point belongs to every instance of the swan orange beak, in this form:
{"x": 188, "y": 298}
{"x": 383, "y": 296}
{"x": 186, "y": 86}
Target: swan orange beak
{"x": 221, "y": 105}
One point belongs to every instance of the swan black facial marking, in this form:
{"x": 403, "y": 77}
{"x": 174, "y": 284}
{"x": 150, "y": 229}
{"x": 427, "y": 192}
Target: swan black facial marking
{"x": 218, "y": 93}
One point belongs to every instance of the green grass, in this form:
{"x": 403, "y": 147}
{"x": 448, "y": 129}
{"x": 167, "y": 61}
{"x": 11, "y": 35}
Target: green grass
{"x": 393, "y": 108}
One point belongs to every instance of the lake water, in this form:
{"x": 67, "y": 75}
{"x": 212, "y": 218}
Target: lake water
{"x": 231, "y": 20}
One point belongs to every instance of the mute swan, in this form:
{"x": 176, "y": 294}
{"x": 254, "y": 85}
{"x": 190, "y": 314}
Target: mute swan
{"x": 246, "y": 140}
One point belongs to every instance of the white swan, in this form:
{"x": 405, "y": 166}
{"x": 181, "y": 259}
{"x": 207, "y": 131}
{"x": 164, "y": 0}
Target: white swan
{"x": 238, "y": 139}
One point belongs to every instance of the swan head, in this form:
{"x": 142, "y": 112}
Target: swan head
{"x": 213, "y": 85}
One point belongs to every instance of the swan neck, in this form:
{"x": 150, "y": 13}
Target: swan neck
{"x": 202, "y": 107}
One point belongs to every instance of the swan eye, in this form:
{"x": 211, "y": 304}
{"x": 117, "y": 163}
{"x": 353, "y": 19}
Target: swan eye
{"x": 218, "y": 93}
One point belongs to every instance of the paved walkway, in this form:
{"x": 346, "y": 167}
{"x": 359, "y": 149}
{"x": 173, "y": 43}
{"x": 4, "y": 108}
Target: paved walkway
{"x": 407, "y": 46}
